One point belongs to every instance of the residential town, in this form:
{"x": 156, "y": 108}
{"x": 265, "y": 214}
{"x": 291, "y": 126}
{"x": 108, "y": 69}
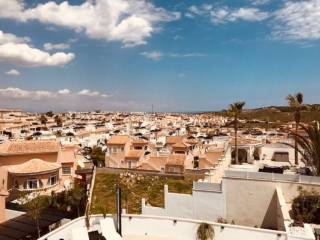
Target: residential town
{"x": 234, "y": 167}
{"x": 159, "y": 120}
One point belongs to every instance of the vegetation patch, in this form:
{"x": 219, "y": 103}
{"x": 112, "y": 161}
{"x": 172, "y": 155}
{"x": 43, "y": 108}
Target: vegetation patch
{"x": 134, "y": 187}
{"x": 306, "y": 207}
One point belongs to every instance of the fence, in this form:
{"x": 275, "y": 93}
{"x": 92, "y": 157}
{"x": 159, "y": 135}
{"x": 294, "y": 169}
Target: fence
{"x": 273, "y": 177}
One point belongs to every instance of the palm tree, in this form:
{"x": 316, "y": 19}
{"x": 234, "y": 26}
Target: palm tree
{"x": 234, "y": 111}
{"x": 35, "y": 208}
{"x": 295, "y": 102}
{"x": 309, "y": 146}
{"x": 205, "y": 232}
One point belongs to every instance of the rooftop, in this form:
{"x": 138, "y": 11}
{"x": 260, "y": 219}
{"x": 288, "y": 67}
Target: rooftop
{"x": 27, "y": 147}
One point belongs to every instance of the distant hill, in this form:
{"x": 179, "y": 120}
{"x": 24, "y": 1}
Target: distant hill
{"x": 280, "y": 114}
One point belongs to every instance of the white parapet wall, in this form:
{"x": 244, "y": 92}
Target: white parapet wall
{"x": 205, "y": 203}
{"x": 167, "y": 228}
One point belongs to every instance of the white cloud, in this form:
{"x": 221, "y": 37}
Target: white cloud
{"x": 57, "y": 46}
{"x": 18, "y": 93}
{"x": 154, "y": 55}
{"x": 89, "y": 93}
{"x": 13, "y": 72}
{"x": 260, "y": 2}
{"x": 298, "y": 20}
{"x": 157, "y": 55}
{"x": 128, "y": 21}
{"x": 11, "y": 38}
{"x": 12, "y": 92}
{"x": 24, "y": 55}
{"x": 64, "y": 91}
{"x": 224, "y": 14}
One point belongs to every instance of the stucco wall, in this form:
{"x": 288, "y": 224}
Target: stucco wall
{"x": 245, "y": 195}
{"x": 202, "y": 204}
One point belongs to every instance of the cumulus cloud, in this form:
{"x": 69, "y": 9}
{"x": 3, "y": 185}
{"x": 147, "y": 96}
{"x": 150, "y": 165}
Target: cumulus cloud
{"x": 128, "y": 21}
{"x": 24, "y": 55}
{"x": 11, "y": 38}
{"x": 18, "y": 93}
{"x": 157, "y": 55}
{"x": 89, "y": 93}
{"x": 56, "y": 46}
{"x": 12, "y": 92}
{"x": 64, "y": 91}
{"x": 224, "y": 14}
{"x": 17, "y": 50}
{"x": 13, "y": 72}
{"x": 298, "y": 20}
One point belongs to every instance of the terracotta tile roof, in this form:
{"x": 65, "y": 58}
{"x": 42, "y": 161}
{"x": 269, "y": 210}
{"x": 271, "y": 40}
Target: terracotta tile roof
{"x": 118, "y": 140}
{"x": 147, "y": 166}
{"x": 33, "y": 166}
{"x": 158, "y": 162}
{"x": 174, "y": 139}
{"x": 26, "y": 147}
{"x": 67, "y": 155}
{"x": 174, "y": 159}
{"x": 213, "y": 157}
{"x": 139, "y": 141}
{"x": 134, "y": 154}
{"x": 180, "y": 145}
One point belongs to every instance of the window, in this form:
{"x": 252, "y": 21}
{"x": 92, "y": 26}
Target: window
{"x": 52, "y": 180}
{"x": 16, "y": 184}
{"x": 281, "y": 157}
{"x": 31, "y": 184}
{"x": 66, "y": 170}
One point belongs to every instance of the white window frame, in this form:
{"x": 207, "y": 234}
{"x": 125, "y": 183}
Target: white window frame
{"x": 50, "y": 180}
{"x": 31, "y": 182}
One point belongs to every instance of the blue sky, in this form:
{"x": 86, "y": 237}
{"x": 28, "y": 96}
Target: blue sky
{"x": 177, "y": 55}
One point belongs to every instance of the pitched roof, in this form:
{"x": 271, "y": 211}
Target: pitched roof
{"x": 158, "y": 161}
{"x": 67, "y": 155}
{"x": 26, "y": 147}
{"x": 118, "y": 140}
{"x": 139, "y": 141}
{"x": 134, "y": 154}
{"x": 180, "y": 145}
{"x": 33, "y": 166}
{"x": 176, "y": 159}
{"x": 174, "y": 139}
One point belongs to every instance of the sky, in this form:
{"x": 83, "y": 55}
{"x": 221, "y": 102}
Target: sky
{"x": 127, "y": 55}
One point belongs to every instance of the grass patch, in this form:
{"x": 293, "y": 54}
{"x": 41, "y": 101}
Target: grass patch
{"x": 134, "y": 187}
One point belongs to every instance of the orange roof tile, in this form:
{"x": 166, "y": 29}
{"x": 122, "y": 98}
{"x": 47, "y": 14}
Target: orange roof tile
{"x": 26, "y": 147}
{"x": 33, "y": 166}
{"x": 118, "y": 140}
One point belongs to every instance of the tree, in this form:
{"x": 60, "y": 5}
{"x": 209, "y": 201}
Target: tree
{"x": 205, "y": 232}
{"x": 75, "y": 197}
{"x": 49, "y": 114}
{"x": 97, "y": 156}
{"x": 234, "y": 111}
{"x": 43, "y": 119}
{"x": 295, "y": 102}
{"x": 308, "y": 145}
{"x": 35, "y": 208}
{"x": 58, "y": 120}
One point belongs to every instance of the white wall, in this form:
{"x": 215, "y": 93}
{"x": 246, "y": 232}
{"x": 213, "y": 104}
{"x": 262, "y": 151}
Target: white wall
{"x": 202, "y": 204}
{"x": 168, "y": 228}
